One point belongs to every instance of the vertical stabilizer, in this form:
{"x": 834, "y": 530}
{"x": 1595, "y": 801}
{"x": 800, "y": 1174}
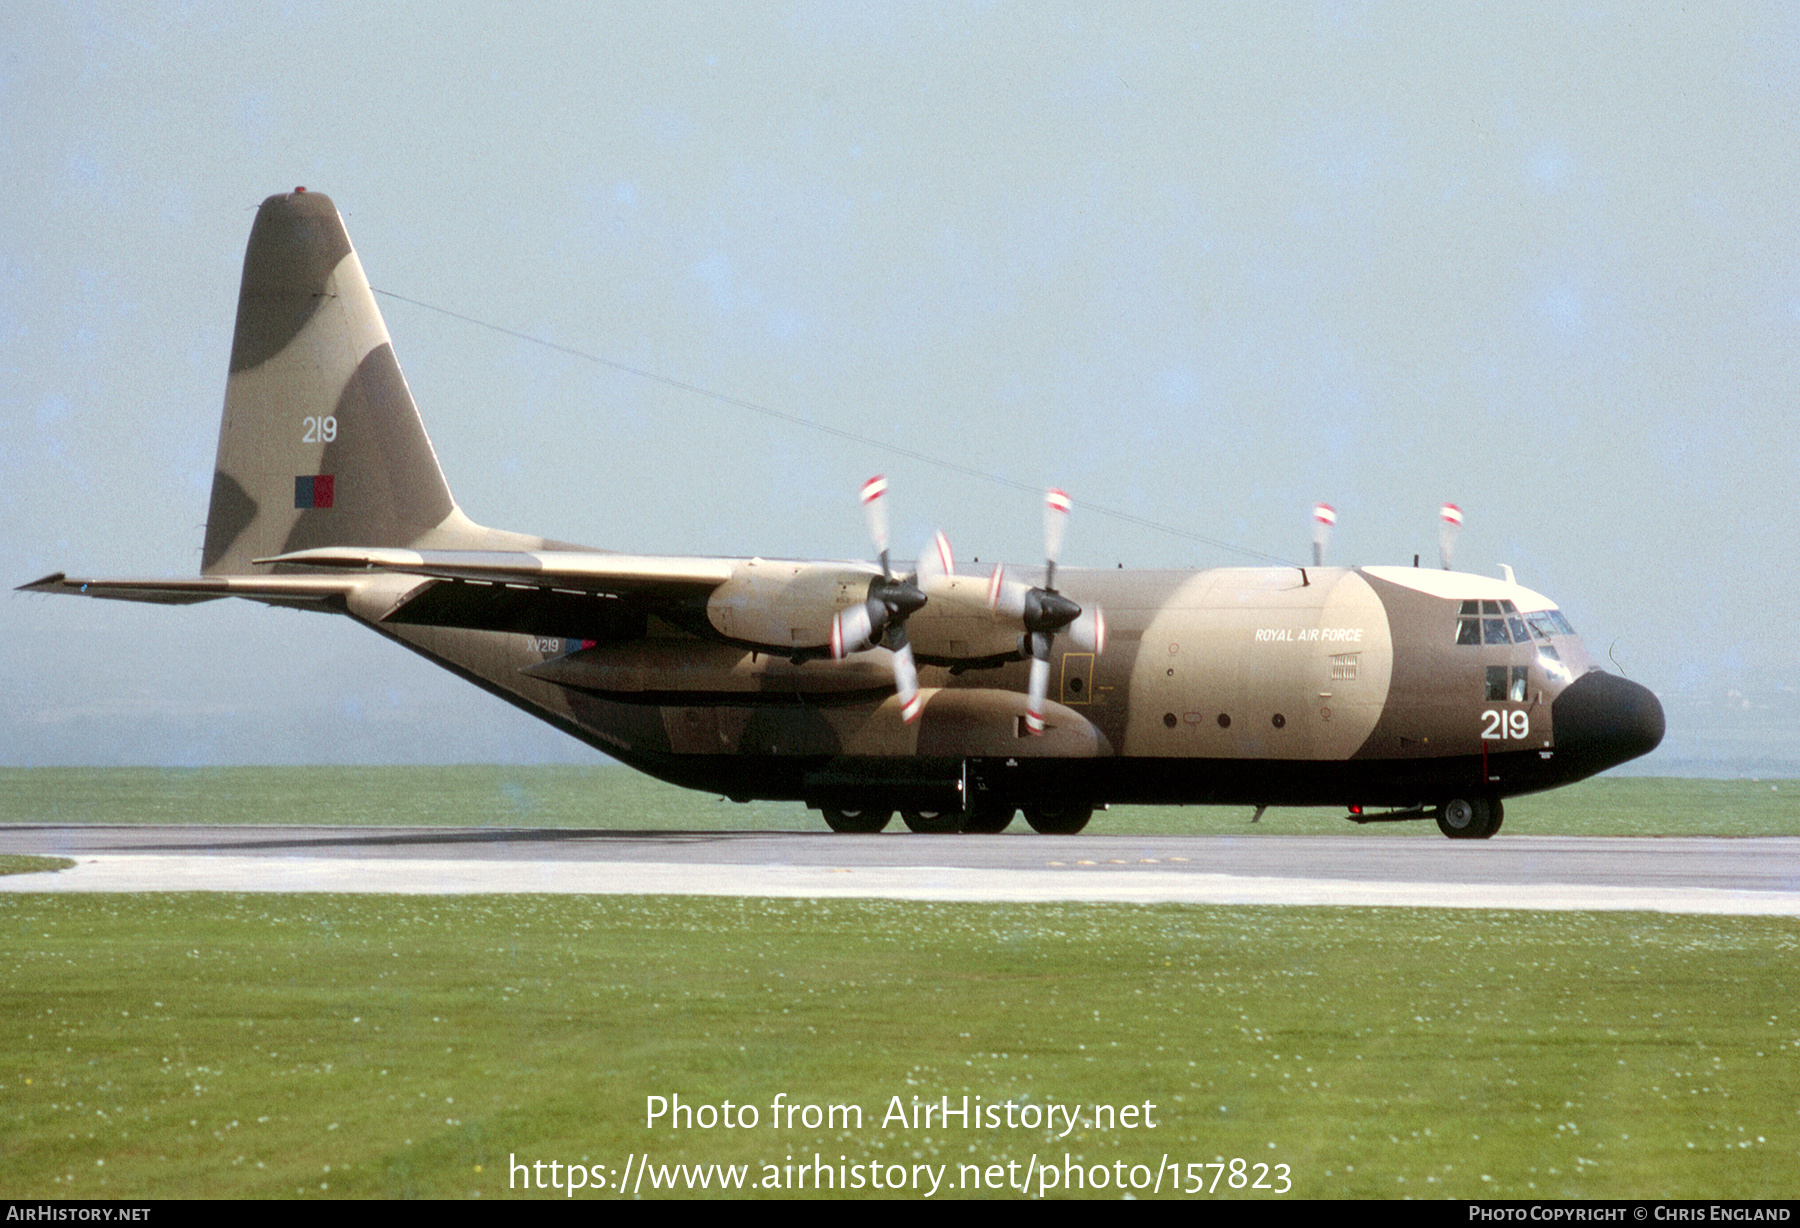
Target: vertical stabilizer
{"x": 321, "y": 444}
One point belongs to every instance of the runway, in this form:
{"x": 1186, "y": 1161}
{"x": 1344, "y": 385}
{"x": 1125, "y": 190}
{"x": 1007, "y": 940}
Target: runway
{"x": 1758, "y": 876}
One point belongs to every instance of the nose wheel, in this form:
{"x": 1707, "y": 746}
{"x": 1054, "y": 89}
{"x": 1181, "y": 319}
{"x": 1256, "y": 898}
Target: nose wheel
{"x": 1475, "y": 819}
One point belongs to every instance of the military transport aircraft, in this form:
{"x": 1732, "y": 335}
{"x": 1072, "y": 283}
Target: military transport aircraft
{"x": 957, "y": 699}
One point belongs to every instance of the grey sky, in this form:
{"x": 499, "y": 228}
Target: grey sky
{"x": 1202, "y": 267}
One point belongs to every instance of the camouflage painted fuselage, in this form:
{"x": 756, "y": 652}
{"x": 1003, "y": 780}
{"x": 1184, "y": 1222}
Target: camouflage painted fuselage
{"x": 1259, "y": 686}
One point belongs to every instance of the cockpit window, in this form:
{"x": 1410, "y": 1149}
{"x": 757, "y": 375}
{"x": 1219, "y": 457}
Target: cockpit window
{"x": 1552, "y": 665}
{"x": 1500, "y": 622}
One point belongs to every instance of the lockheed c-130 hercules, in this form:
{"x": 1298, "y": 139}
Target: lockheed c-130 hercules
{"x": 957, "y": 699}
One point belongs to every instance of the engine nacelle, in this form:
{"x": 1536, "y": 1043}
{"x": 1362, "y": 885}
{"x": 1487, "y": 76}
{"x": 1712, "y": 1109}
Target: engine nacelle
{"x": 786, "y": 606}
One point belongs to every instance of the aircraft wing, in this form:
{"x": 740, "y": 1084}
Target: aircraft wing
{"x": 571, "y": 594}
{"x": 583, "y": 595}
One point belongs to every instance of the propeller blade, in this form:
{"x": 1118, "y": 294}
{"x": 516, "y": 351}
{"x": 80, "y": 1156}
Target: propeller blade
{"x": 1450, "y": 519}
{"x": 875, "y": 508}
{"x": 906, "y": 682}
{"x": 1089, "y": 631}
{"x": 935, "y": 561}
{"x": 852, "y": 630}
{"x": 1056, "y": 520}
{"x": 1324, "y": 516}
{"x": 1037, "y": 691}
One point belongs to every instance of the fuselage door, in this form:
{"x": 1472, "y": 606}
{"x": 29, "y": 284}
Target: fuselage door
{"x": 1077, "y": 678}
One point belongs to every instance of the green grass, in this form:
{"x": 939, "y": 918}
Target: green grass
{"x": 25, "y": 863}
{"x": 619, "y": 799}
{"x": 217, "y": 1045}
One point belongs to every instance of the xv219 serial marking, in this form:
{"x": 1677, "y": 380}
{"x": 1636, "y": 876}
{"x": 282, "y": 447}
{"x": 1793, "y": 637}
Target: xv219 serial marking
{"x": 957, "y": 699}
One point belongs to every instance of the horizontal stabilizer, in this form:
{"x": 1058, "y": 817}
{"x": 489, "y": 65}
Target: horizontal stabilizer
{"x": 200, "y": 588}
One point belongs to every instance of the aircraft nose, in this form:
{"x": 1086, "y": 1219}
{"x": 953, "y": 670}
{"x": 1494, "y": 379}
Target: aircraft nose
{"x": 1603, "y": 720}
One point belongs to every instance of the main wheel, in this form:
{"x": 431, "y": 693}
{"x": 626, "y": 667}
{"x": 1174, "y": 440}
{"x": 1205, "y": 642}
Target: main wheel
{"x": 1469, "y": 820}
{"x": 988, "y": 819}
{"x": 866, "y": 822}
{"x": 934, "y": 822}
{"x": 1058, "y": 820}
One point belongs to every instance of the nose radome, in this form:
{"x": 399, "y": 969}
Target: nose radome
{"x": 1604, "y": 720}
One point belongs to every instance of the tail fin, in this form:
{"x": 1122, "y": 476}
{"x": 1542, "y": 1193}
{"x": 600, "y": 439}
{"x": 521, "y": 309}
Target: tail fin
{"x": 321, "y": 444}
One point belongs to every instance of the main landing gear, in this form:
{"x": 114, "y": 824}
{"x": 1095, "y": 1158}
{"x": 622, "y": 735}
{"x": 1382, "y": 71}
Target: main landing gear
{"x": 1470, "y": 820}
{"x": 985, "y": 818}
{"x": 863, "y": 822}
{"x": 1058, "y": 820}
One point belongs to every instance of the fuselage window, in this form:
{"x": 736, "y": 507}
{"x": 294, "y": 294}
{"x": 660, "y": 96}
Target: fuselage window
{"x": 1506, "y": 683}
{"x": 1496, "y": 683}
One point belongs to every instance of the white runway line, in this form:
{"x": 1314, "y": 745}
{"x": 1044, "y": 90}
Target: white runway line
{"x": 428, "y": 876}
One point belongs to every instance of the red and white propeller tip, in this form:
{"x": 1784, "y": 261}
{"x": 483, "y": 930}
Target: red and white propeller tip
{"x": 1324, "y": 517}
{"x": 1450, "y": 518}
{"x": 851, "y": 630}
{"x": 906, "y": 684}
{"x": 1037, "y": 690}
{"x": 936, "y": 560}
{"x": 1089, "y": 631}
{"x": 875, "y": 508}
{"x": 1056, "y": 519}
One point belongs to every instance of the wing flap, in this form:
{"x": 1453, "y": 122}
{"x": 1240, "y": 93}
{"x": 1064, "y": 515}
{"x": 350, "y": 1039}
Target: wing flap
{"x": 580, "y": 570}
{"x": 521, "y": 610}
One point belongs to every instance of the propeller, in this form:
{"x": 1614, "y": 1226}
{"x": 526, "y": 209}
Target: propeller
{"x": 1044, "y": 612}
{"x": 1324, "y": 516}
{"x": 1450, "y": 519}
{"x": 881, "y": 617}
